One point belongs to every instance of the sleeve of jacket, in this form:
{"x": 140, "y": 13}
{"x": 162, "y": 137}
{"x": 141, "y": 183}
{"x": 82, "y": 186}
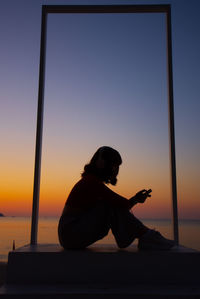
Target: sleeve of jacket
{"x": 113, "y": 198}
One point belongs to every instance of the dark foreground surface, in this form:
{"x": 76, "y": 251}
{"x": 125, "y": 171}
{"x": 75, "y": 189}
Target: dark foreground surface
{"x": 47, "y": 271}
{"x": 3, "y": 266}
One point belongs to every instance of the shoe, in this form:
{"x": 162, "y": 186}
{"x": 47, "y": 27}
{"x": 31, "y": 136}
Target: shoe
{"x": 153, "y": 240}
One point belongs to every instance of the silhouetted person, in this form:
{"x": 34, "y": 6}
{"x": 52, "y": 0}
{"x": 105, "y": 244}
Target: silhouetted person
{"x": 92, "y": 209}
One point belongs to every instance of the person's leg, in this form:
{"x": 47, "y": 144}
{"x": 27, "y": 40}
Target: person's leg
{"x": 93, "y": 225}
{"x": 126, "y": 227}
{"x": 80, "y": 232}
{"x": 153, "y": 240}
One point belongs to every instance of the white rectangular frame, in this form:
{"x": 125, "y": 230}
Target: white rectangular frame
{"x": 100, "y": 9}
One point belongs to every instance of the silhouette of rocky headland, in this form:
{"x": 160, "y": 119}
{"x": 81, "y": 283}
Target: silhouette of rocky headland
{"x": 2, "y": 215}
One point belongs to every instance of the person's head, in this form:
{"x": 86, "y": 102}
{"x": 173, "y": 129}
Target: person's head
{"x": 104, "y": 164}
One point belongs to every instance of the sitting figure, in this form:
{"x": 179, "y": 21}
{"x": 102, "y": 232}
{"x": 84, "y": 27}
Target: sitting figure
{"x": 92, "y": 209}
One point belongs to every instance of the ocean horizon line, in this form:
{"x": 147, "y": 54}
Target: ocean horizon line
{"x": 141, "y": 218}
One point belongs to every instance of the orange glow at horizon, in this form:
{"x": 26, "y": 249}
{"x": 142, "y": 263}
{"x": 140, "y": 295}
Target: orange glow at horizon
{"x": 17, "y": 201}
{"x": 60, "y": 174}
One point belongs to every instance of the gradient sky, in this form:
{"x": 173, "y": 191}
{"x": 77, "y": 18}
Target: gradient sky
{"x": 105, "y": 85}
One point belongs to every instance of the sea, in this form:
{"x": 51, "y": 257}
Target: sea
{"x": 17, "y": 230}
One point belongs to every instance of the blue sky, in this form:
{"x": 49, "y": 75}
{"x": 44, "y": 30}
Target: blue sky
{"x": 105, "y": 84}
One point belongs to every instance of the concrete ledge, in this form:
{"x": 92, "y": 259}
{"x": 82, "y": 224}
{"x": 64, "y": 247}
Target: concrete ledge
{"x": 71, "y": 292}
{"x": 3, "y": 266}
{"x": 103, "y": 266}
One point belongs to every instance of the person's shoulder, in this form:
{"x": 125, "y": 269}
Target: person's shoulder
{"x": 85, "y": 180}
{"x": 79, "y": 183}
{"x": 88, "y": 181}
{"x": 85, "y": 184}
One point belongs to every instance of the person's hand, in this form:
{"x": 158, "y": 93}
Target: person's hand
{"x": 142, "y": 195}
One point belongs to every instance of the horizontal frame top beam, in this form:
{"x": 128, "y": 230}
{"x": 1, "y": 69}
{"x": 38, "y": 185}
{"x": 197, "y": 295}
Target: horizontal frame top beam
{"x": 163, "y": 8}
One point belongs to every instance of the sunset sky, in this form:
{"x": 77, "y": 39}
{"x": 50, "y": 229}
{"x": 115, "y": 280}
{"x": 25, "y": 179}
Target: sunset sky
{"x": 106, "y": 84}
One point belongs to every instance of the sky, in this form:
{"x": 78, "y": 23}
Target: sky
{"x": 106, "y": 84}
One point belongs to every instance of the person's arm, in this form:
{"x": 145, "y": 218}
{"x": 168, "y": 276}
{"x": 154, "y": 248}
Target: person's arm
{"x": 140, "y": 197}
{"x": 114, "y": 198}
{"x": 118, "y": 200}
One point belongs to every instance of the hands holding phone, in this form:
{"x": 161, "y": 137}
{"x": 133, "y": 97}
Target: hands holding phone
{"x": 142, "y": 195}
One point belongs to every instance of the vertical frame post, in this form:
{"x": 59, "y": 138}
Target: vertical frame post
{"x": 171, "y": 127}
{"x": 38, "y": 147}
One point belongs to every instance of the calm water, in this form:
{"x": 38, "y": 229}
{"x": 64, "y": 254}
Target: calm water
{"x": 18, "y": 229}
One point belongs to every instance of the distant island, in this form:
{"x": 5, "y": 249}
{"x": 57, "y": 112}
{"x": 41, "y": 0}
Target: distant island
{"x": 2, "y": 215}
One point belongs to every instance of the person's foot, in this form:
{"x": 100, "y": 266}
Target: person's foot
{"x": 153, "y": 240}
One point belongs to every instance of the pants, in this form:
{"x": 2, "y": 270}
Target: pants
{"x": 93, "y": 225}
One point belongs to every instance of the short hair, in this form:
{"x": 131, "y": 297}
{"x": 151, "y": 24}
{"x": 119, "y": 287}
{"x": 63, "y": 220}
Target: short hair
{"x": 101, "y": 164}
